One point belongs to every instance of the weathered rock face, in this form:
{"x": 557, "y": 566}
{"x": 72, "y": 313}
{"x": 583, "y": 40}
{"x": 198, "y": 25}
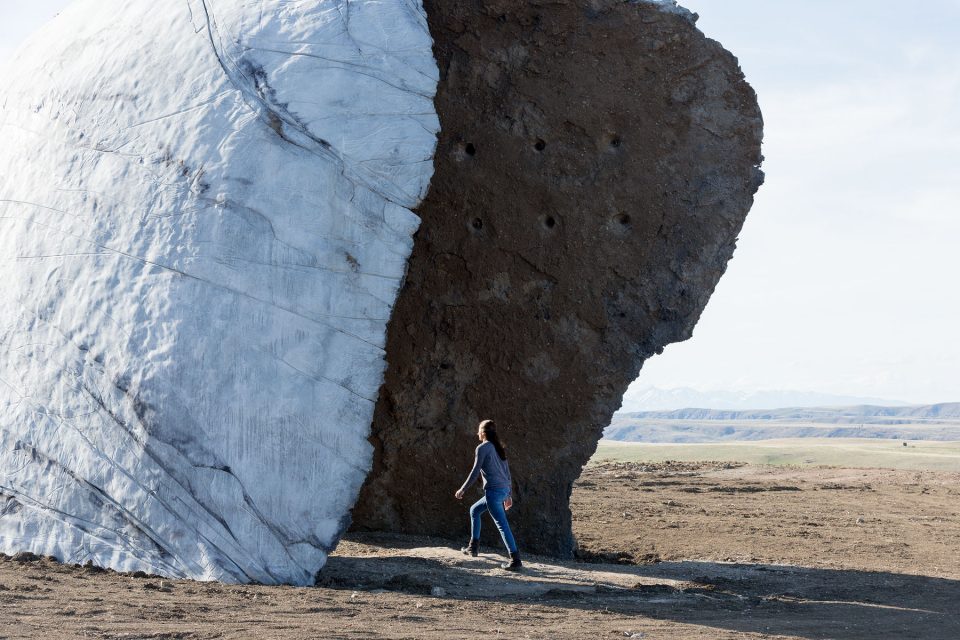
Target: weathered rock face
{"x": 596, "y": 161}
{"x": 204, "y": 222}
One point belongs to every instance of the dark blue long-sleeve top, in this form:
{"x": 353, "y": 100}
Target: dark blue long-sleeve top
{"x": 486, "y": 463}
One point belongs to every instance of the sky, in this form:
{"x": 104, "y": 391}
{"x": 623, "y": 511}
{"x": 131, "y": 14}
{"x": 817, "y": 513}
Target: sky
{"x": 845, "y": 279}
{"x": 21, "y": 18}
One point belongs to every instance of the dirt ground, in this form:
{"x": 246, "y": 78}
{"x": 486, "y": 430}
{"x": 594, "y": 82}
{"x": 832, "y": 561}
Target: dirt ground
{"x": 668, "y": 550}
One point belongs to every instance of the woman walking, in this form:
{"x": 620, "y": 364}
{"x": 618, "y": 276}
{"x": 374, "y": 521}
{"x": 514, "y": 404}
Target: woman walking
{"x": 490, "y": 461}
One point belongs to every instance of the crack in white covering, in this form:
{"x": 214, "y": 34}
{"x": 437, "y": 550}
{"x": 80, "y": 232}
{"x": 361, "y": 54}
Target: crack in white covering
{"x": 205, "y": 217}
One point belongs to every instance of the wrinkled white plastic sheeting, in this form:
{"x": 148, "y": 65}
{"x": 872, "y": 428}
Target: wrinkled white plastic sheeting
{"x": 204, "y": 222}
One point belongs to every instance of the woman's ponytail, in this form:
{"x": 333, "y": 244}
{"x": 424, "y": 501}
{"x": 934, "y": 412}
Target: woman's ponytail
{"x": 489, "y": 430}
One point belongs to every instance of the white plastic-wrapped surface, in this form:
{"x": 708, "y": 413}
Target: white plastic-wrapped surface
{"x": 205, "y": 218}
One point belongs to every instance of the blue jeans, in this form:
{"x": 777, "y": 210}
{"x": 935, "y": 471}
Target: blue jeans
{"x": 492, "y": 501}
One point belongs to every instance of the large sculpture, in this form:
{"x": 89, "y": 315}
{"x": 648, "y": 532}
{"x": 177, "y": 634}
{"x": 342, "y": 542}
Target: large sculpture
{"x": 204, "y": 221}
{"x": 596, "y": 161}
{"x": 206, "y": 217}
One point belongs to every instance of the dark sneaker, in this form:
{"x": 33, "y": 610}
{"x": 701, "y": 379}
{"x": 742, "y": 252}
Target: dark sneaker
{"x": 472, "y": 549}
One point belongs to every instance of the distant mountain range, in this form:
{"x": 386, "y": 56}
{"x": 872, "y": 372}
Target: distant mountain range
{"x": 656, "y": 399}
{"x": 917, "y": 422}
{"x": 930, "y": 413}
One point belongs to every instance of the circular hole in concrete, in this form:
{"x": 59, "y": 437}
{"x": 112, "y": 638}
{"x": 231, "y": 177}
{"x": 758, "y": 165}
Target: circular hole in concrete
{"x": 549, "y": 222}
{"x": 477, "y": 224}
{"x": 622, "y": 219}
{"x": 539, "y": 145}
{"x": 615, "y": 142}
{"x": 470, "y": 149}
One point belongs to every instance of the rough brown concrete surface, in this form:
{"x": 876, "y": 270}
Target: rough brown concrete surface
{"x": 596, "y": 162}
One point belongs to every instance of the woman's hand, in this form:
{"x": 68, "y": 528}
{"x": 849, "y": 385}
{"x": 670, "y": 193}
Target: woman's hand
{"x": 508, "y": 503}
{"x": 459, "y": 494}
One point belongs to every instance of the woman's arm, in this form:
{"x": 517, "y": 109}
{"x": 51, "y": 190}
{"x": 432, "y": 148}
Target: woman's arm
{"x": 474, "y": 474}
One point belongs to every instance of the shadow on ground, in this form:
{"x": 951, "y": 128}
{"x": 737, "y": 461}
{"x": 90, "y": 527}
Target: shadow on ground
{"x": 772, "y": 599}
